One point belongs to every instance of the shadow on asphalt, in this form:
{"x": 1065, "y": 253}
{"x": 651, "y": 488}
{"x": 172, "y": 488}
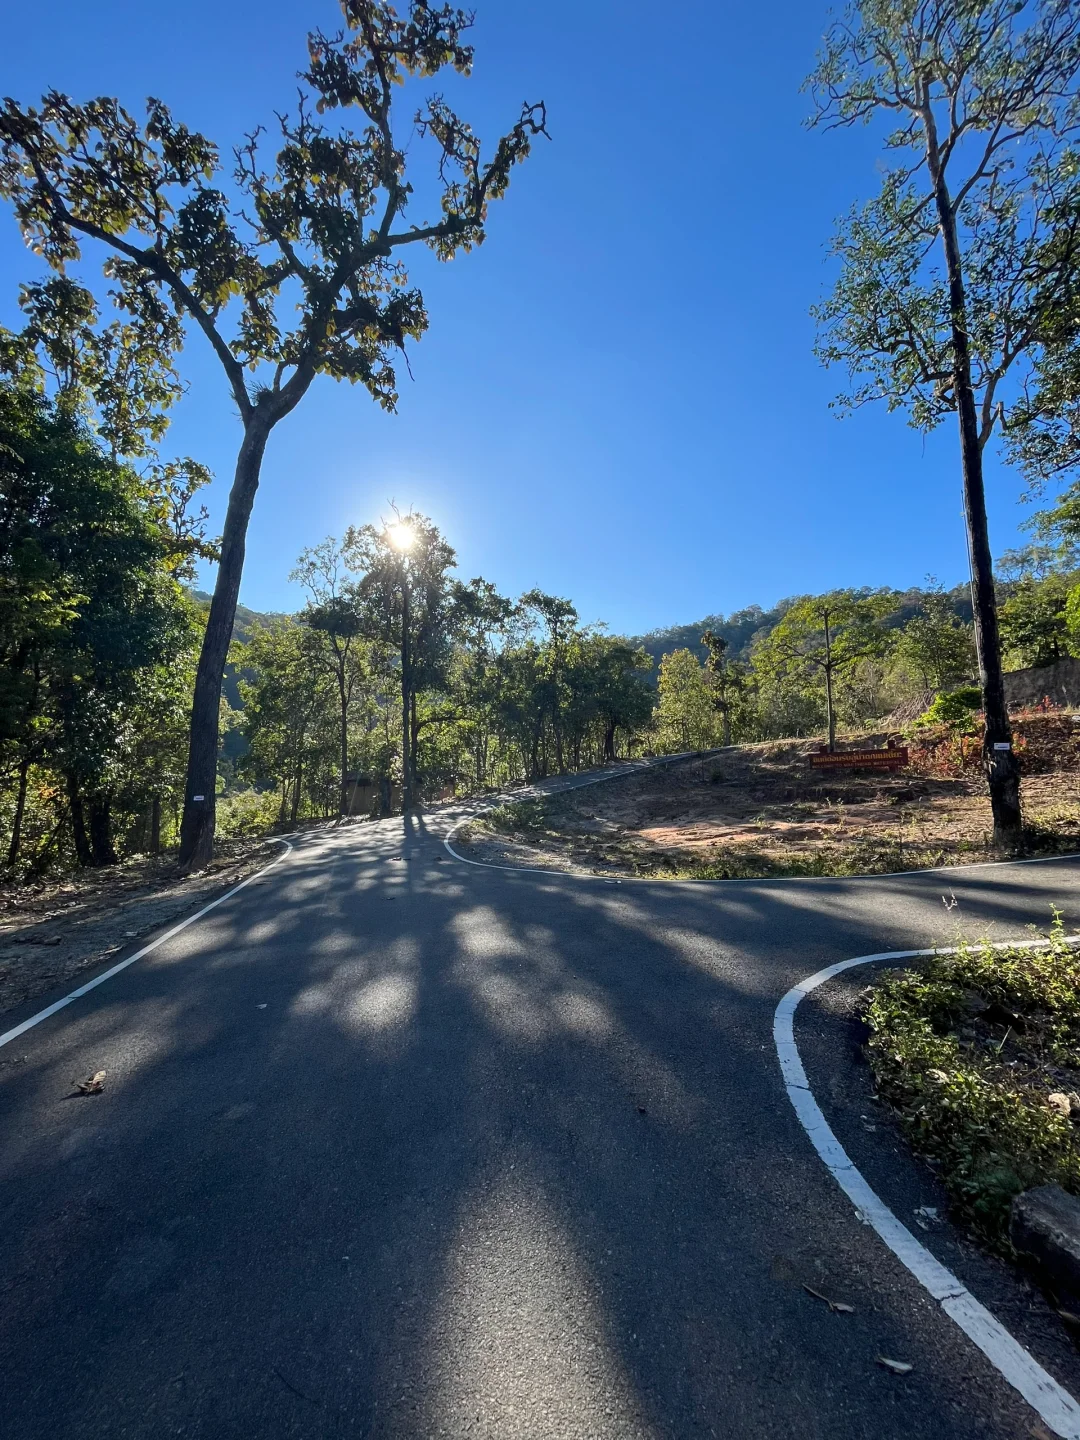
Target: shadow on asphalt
{"x": 394, "y": 1147}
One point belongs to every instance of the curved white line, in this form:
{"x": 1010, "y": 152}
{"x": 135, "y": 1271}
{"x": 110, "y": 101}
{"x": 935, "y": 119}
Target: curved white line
{"x": 17, "y": 1030}
{"x": 1055, "y": 1406}
{"x": 741, "y": 880}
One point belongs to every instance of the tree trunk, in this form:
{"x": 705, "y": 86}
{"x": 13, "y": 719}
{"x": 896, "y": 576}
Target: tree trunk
{"x": 197, "y": 825}
{"x": 999, "y": 761}
{"x": 296, "y": 794}
{"x": 155, "y": 825}
{"x": 406, "y": 696}
{"x": 609, "y": 741}
{"x": 828, "y": 685}
{"x": 83, "y": 853}
{"x": 20, "y": 811}
{"x": 102, "y": 850}
{"x": 343, "y": 737}
{"x": 414, "y": 741}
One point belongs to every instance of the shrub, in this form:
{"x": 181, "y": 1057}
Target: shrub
{"x": 956, "y": 708}
{"x": 247, "y": 812}
{"x": 968, "y": 1049}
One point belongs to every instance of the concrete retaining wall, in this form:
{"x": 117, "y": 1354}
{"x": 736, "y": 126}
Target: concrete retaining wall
{"x": 1059, "y": 683}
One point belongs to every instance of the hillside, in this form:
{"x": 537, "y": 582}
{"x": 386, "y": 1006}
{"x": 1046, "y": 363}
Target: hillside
{"x": 760, "y": 810}
{"x": 741, "y": 628}
{"x": 246, "y": 623}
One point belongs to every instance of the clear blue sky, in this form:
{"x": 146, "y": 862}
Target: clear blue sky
{"x": 617, "y": 399}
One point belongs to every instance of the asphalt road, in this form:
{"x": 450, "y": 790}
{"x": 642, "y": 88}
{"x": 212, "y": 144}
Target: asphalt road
{"x": 400, "y": 1147}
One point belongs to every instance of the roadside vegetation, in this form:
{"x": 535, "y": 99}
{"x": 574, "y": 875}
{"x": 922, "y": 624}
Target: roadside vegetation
{"x": 979, "y": 1054}
{"x": 759, "y": 810}
{"x": 140, "y": 717}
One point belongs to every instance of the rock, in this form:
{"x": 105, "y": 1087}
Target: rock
{"x": 1045, "y": 1227}
{"x": 1060, "y": 1102}
{"x": 997, "y": 1014}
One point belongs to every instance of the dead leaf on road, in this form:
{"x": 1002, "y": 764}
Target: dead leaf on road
{"x": 838, "y": 1307}
{"x": 94, "y": 1085}
{"x": 898, "y": 1367}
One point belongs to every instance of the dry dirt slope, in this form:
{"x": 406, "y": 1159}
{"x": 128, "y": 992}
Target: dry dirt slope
{"x": 761, "y": 810}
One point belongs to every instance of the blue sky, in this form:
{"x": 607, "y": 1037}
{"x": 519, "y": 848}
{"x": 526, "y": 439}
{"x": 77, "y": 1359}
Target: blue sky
{"x": 617, "y": 398}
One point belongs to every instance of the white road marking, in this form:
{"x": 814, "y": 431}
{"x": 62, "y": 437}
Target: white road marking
{"x": 17, "y": 1030}
{"x": 752, "y": 880}
{"x": 531, "y": 793}
{"x": 1055, "y": 1406}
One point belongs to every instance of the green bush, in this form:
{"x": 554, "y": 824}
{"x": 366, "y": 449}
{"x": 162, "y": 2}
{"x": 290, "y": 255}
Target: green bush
{"x": 517, "y": 816}
{"x": 955, "y": 709}
{"x": 979, "y": 1111}
{"x": 247, "y": 812}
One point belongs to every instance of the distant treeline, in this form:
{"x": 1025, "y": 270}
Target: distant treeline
{"x": 741, "y": 629}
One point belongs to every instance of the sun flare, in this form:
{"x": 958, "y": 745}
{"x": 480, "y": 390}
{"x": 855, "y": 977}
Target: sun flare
{"x": 402, "y": 535}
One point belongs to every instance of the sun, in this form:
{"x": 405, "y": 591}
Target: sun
{"x": 402, "y": 535}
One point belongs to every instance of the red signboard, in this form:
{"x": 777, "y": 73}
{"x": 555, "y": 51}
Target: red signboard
{"x": 894, "y": 759}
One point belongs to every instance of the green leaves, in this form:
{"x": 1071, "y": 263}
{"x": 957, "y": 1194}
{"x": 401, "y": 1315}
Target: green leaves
{"x": 978, "y": 1110}
{"x": 985, "y": 97}
{"x": 321, "y": 218}
{"x": 96, "y": 639}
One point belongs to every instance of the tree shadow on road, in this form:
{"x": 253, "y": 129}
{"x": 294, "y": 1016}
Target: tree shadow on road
{"x": 392, "y": 1146}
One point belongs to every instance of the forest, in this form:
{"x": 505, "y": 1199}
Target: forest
{"x": 138, "y": 715}
{"x": 398, "y": 682}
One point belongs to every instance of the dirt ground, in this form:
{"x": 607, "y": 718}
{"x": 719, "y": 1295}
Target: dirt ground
{"x": 761, "y": 810}
{"x": 51, "y": 931}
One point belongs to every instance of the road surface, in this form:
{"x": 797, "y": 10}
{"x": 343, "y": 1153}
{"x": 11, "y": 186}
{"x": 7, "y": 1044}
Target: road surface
{"x": 394, "y": 1146}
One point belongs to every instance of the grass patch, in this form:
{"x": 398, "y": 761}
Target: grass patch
{"x": 517, "y": 817}
{"x": 868, "y": 857}
{"x": 969, "y": 1049}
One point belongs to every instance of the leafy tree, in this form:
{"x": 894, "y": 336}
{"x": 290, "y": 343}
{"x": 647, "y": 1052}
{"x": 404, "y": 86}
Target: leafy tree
{"x": 95, "y": 628}
{"x": 935, "y": 646}
{"x": 1034, "y": 620}
{"x": 334, "y": 612}
{"x": 288, "y": 692}
{"x": 121, "y": 373}
{"x": 983, "y": 100}
{"x": 315, "y": 236}
{"x": 685, "y": 716}
{"x": 822, "y": 638}
{"x": 727, "y": 678}
{"x": 483, "y": 619}
{"x": 558, "y": 619}
{"x": 614, "y": 685}
{"x": 405, "y": 599}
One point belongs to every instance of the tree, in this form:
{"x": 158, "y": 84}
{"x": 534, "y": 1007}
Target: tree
{"x": 726, "y": 678}
{"x": 614, "y": 684}
{"x": 289, "y": 694}
{"x": 95, "y": 630}
{"x": 935, "y": 646}
{"x": 822, "y": 638}
{"x": 984, "y": 94}
{"x": 558, "y": 618}
{"x": 404, "y": 597}
{"x": 482, "y": 621}
{"x": 685, "y": 717}
{"x": 316, "y": 236}
{"x": 333, "y": 611}
{"x": 1035, "y": 620}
